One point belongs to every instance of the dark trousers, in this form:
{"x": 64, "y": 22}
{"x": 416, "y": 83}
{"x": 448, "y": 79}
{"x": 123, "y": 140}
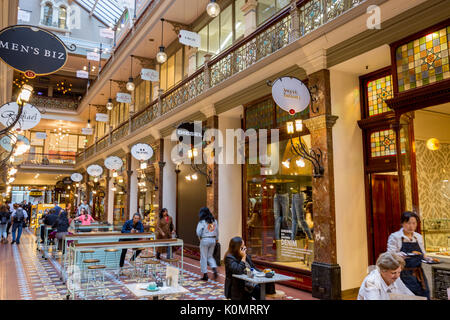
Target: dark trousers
{"x": 8, "y": 227}
{"x": 124, "y": 253}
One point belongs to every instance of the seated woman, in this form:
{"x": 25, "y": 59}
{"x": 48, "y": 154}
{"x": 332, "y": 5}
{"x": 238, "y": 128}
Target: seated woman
{"x": 85, "y": 218}
{"x": 385, "y": 279}
{"x": 236, "y": 261}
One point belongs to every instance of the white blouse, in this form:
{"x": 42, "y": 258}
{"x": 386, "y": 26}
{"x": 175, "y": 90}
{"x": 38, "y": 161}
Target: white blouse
{"x": 395, "y": 241}
{"x": 374, "y": 287}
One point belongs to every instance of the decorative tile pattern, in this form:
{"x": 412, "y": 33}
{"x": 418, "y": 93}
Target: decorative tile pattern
{"x": 378, "y": 91}
{"x": 424, "y": 60}
{"x": 382, "y": 143}
{"x": 260, "y": 115}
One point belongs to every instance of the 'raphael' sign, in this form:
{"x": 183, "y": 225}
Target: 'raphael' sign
{"x": 32, "y": 50}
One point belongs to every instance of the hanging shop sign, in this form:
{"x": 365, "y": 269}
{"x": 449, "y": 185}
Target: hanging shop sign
{"x": 123, "y": 97}
{"x": 8, "y": 141}
{"x": 76, "y": 177}
{"x": 290, "y": 94}
{"x": 82, "y": 74}
{"x": 93, "y": 56}
{"x": 107, "y": 33}
{"x": 87, "y": 131}
{"x": 94, "y": 170}
{"x": 142, "y": 151}
{"x": 35, "y": 193}
{"x": 67, "y": 180}
{"x": 29, "y": 118}
{"x": 189, "y": 38}
{"x": 187, "y": 131}
{"x": 41, "y": 135}
{"x": 113, "y": 163}
{"x": 101, "y": 117}
{"x": 149, "y": 75}
{"x": 32, "y": 50}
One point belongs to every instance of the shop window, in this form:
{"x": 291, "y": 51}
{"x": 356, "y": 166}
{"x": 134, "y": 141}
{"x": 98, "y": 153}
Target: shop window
{"x": 62, "y": 18}
{"x": 170, "y": 71}
{"x": 423, "y": 61}
{"x": 378, "y": 91}
{"x": 267, "y": 8}
{"x": 382, "y": 143}
{"x": 239, "y": 19}
{"x": 48, "y": 14}
{"x": 226, "y": 28}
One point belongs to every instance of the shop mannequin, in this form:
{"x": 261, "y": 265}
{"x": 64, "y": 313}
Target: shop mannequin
{"x": 298, "y": 215}
{"x": 280, "y": 209}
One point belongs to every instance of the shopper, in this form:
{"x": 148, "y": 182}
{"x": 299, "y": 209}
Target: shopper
{"x": 57, "y": 208}
{"x": 5, "y": 216}
{"x": 49, "y": 221}
{"x": 84, "y": 206}
{"x": 18, "y": 219}
{"x": 208, "y": 234}
{"x": 385, "y": 279}
{"x": 28, "y": 209}
{"x": 13, "y": 208}
{"x": 236, "y": 262}
{"x": 62, "y": 227}
{"x": 409, "y": 244}
{"x": 164, "y": 230}
{"x": 131, "y": 226}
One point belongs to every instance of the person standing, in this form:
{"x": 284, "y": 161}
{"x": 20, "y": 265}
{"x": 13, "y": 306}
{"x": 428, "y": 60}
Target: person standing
{"x": 164, "y": 230}
{"x": 84, "y": 206}
{"x": 50, "y": 220}
{"x": 28, "y": 209}
{"x": 208, "y": 234}
{"x": 4, "y": 218}
{"x": 85, "y": 219}
{"x": 57, "y": 208}
{"x": 409, "y": 245}
{"x": 17, "y": 220}
{"x": 131, "y": 226}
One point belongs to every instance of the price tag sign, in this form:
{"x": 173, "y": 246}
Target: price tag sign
{"x": 93, "y": 56}
{"x": 87, "y": 131}
{"x": 82, "y": 74}
{"x": 107, "y": 33}
{"x": 101, "y": 117}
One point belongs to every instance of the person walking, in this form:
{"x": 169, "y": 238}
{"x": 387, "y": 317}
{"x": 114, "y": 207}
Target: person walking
{"x": 208, "y": 234}
{"x": 4, "y": 218}
{"x": 62, "y": 228}
{"x": 17, "y": 220}
{"x": 164, "y": 230}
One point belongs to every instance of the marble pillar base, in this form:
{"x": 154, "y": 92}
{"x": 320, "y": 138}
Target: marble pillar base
{"x": 326, "y": 281}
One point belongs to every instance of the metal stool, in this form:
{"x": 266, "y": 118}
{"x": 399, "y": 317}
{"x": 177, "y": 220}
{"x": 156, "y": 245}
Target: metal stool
{"x": 112, "y": 259}
{"x": 152, "y": 268}
{"x": 137, "y": 263}
{"x": 94, "y": 280}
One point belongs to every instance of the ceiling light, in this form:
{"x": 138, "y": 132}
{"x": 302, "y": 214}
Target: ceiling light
{"x": 213, "y": 9}
{"x": 298, "y": 125}
{"x": 115, "y": 174}
{"x": 188, "y": 178}
{"x": 109, "y": 105}
{"x": 25, "y": 94}
{"x": 161, "y": 56}
{"x": 194, "y": 176}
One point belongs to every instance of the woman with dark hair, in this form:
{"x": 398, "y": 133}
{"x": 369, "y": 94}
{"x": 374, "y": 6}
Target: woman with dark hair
{"x": 164, "y": 230}
{"x": 236, "y": 261}
{"x": 4, "y": 218}
{"x": 62, "y": 228}
{"x": 208, "y": 234}
{"x": 409, "y": 244}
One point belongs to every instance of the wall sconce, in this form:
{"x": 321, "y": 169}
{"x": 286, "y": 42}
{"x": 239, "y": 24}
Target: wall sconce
{"x": 143, "y": 165}
{"x": 115, "y": 174}
{"x": 25, "y": 94}
{"x": 203, "y": 168}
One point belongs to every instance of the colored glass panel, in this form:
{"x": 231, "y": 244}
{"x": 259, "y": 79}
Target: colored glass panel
{"x": 423, "y": 61}
{"x": 382, "y": 143}
{"x": 378, "y": 91}
{"x": 260, "y": 115}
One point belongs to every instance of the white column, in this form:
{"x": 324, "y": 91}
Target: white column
{"x": 230, "y": 192}
{"x": 170, "y": 181}
{"x": 109, "y": 214}
{"x": 133, "y": 187}
{"x": 249, "y": 9}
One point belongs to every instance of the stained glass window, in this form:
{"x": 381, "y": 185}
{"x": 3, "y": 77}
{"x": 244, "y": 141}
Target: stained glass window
{"x": 424, "y": 60}
{"x": 382, "y": 143}
{"x": 378, "y": 91}
{"x": 260, "y": 115}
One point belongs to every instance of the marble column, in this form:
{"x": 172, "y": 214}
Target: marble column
{"x": 159, "y": 167}
{"x": 132, "y": 188}
{"x": 107, "y": 195}
{"x": 212, "y": 192}
{"x": 326, "y": 277}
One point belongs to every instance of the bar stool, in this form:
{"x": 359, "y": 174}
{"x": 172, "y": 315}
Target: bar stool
{"x": 112, "y": 259}
{"x": 138, "y": 266}
{"x": 152, "y": 267}
{"x": 96, "y": 279}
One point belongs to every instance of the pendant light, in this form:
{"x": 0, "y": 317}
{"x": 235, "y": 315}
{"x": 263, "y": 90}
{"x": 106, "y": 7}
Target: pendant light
{"x": 109, "y": 105}
{"x": 161, "y": 56}
{"x": 130, "y": 83}
{"x": 213, "y": 9}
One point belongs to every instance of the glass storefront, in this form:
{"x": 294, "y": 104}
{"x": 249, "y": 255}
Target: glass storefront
{"x": 279, "y": 224}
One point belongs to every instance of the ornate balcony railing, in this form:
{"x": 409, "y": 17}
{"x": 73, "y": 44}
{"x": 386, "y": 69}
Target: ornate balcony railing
{"x": 54, "y": 103}
{"x": 270, "y": 37}
{"x": 46, "y": 159}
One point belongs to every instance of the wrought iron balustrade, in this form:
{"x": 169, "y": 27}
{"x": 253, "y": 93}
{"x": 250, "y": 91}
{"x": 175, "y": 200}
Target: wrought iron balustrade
{"x": 46, "y": 159}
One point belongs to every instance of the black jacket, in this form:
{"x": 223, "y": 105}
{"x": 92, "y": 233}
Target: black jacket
{"x": 61, "y": 224}
{"x": 234, "y": 288}
{"x": 50, "y": 219}
{"x": 5, "y": 216}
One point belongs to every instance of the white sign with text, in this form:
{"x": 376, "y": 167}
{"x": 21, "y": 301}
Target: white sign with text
{"x": 149, "y": 75}
{"x": 101, "y": 117}
{"x": 290, "y": 94}
{"x": 113, "y": 163}
{"x": 82, "y": 74}
{"x": 94, "y": 170}
{"x": 94, "y": 56}
{"x": 189, "y": 38}
{"x": 123, "y": 97}
{"x": 29, "y": 118}
{"x": 142, "y": 151}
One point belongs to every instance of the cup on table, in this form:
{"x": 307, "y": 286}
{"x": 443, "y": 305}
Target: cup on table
{"x": 152, "y": 286}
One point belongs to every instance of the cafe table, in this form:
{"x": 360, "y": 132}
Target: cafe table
{"x": 138, "y": 289}
{"x": 262, "y": 281}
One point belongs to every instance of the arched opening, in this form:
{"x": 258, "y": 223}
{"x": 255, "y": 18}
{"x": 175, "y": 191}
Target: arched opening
{"x": 62, "y": 21}
{"x": 48, "y": 14}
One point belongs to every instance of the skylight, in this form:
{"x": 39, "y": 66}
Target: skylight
{"x": 108, "y": 11}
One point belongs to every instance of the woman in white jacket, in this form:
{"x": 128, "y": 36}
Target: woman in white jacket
{"x": 208, "y": 233}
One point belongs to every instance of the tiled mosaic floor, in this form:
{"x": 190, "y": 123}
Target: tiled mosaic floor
{"x": 39, "y": 279}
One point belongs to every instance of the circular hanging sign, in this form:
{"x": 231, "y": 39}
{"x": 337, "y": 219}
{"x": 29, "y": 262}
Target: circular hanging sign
{"x": 6, "y": 141}
{"x": 94, "y": 170}
{"x": 113, "y": 163}
{"x": 32, "y": 50}
{"x": 76, "y": 177}
{"x": 290, "y": 94}
{"x": 142, "y": 151}
{"x": 29, "y": 118}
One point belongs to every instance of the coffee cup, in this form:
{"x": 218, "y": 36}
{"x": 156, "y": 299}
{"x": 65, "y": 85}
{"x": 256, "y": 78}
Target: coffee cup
{"x": 151, "y": 286}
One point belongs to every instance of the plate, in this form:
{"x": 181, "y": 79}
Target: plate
{"x": 154, "y": 290}
{"x": 260, "y": 274}
{"x": 430, "y": 262}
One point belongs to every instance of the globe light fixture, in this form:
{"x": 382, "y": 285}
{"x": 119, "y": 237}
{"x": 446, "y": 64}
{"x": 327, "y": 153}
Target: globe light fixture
{"x": 161, "y": 56}
{"x": 213, "y": 9}
{"x": 25, "y": 94}
{"x": 433, "y": 144}
{"x": 130, "y": 84}
{"x": 109, "y": 105}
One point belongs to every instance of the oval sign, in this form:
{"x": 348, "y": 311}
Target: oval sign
{"x": 6, "y": 141}
{"x": 32, "y": 50}
{"x": 76, "y": 177}
{"x": 142, "y": 151}
{"x": 94, "y": 170}
{"x": 29, "y": 118}
{"x": 113, "y": 163}
{"x": 290, "y": 94}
